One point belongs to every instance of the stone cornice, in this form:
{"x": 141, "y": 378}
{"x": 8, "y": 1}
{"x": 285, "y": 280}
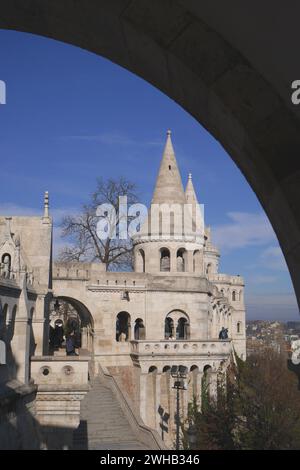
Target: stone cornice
{"x": 182, "y": 239}
{"x": 107, "y": 289}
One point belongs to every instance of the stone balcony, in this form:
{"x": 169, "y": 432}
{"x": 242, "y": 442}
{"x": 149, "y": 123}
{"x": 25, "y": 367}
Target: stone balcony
{"x": 65, "y": 371}
{"x": 226, "y": 278}
{"x": 181, "y": 348}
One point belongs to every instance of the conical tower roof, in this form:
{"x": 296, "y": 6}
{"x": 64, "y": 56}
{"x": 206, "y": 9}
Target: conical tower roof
{"x": 190, "y": 193}
{"x": 168, "y": 188}
{"x": 195, "y": 209}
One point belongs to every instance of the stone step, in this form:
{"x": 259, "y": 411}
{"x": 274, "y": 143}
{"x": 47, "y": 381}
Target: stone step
{"x": 103, "y": 424}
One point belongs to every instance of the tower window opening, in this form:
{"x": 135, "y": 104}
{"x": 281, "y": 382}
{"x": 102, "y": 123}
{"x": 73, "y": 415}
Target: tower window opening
{"x": 181, "y": 255}
{"x": 164, "y": 260}
{"x": 123, "y": 327}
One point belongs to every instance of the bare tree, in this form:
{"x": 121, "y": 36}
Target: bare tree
{"x": 81, "y": 230}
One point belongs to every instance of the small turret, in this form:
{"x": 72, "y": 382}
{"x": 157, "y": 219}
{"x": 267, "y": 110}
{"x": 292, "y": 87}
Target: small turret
{"x": 46, "y": 205}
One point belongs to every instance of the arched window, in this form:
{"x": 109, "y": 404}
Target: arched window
{"x": 177, "y": 325}
{"x": 5, "y": 265}
{"x": 196, "y": 261}
{"x": 169, "y": 328}
{"x": 208, "y": 269}
{"x": 182, "y": 328}
{"x": 165, "y": 260}
{"x": 239, "y": 327}
{"x": 181, "y": 260}
{"x": 233, "y": 295}
{"x": 123, "y": 327}
{"x": 139, "y": 329}
{"x": 140, "y": 261}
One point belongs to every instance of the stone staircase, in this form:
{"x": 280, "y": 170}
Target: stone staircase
{"x": 103, "y": 424}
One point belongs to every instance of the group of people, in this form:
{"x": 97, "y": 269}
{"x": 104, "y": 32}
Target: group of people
{"x": 70, "y": 334}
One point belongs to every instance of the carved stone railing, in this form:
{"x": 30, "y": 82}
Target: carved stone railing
{"x": 216, "y": 277}
{"x": 15, "y": 276}
{"x": 181, "y": 347}
{"x": 58, "y": 370}
{"x": 8, "y": 274}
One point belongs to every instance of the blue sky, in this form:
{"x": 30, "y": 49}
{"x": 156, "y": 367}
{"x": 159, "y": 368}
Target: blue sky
{"x": 72, "y": 116}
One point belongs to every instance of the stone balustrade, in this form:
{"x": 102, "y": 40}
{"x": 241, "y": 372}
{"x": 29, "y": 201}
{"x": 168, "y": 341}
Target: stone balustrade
{"x": 15, "y": 276}
{"x": 60, "y": 371}
{"x": 215, "y": 277}
{"x": 7, "y": 274}
{"x": 181, "y": 347}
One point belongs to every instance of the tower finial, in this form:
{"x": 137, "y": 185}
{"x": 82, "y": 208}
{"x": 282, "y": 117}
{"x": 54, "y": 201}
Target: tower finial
{"x": 169, "y": 132}
{"x": 46, "y": 204}
{"x": 190, "y": 176}
{"x": 168, "y": 188}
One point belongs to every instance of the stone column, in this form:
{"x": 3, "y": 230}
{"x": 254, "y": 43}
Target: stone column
{"x": 129, "y": 330}
{"x": 213, "y": 387}
{"x": 173, "y": 329}
{"x": 40, "y": 326}
{"x": 20, "y": 347}
{"x": 190, "y": 261}
{"x": 84, "y": 337}
{"x": 173, "y": 261}
{"x": 157, "y": 400}
{"x": 187, "y": 330}
{"x": 198, "y": 388}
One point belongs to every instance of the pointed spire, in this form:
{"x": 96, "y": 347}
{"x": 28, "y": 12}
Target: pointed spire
{"x": 190, "y": 193}
{"x": 168, "y": 188}
{"x": 196, "y": 210}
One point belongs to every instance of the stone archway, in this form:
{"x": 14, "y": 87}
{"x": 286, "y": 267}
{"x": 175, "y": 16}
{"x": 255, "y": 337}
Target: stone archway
{"x": 206, "y": 57}
{"x": 69, "y": 314}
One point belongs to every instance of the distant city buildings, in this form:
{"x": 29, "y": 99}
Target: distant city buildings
{"x": 276, "y": 335}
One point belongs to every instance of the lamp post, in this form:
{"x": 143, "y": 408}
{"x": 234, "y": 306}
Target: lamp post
{"x": 179, "y": 373}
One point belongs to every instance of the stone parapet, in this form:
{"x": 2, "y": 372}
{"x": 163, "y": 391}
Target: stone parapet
{"x": 181, "y": 348}
{"x": 60, "y": 371}
{"x": 226, "y": 278}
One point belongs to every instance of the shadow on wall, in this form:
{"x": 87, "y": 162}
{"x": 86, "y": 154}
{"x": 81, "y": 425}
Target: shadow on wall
{"x": 80, "y": 436}
{"x": 164, "y": 421}
{"x": 19, "y": 428}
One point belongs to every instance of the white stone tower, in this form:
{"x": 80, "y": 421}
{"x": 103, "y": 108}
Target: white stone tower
{"x": 172, "y": 238}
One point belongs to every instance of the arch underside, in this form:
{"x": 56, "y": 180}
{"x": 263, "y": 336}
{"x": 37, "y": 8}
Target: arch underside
{"x": 85, "y": 315}
{"x": 203, "y": 56}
